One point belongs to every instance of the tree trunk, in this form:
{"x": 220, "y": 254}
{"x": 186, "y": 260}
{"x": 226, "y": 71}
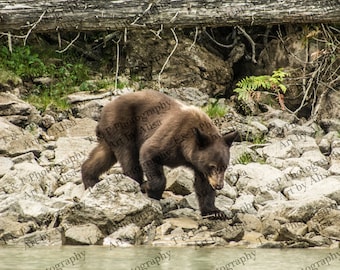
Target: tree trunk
{"x": 101, "y": 15}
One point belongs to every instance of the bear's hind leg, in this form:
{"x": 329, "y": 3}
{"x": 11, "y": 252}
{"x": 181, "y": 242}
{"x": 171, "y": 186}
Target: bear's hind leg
{"x": 206, "y": 198}
{"x": 100, "y": 160}
{"x": 129, "y": 160}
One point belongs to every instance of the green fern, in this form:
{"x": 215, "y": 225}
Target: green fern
{"x": 248, "y": 85}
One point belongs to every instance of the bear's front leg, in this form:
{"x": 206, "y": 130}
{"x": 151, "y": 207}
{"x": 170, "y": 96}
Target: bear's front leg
{"x": 156, "y": 180}
{"x": 206, "y": 198}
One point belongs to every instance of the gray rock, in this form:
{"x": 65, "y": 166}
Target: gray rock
{"x": 124, "y": 237}
{"x": 85, "y": 96}
{"x": 238, "y": 151}
{"x": 244, "y": 204}
{"x": 87, "y": 234}
{"x": 316, "y": 186}
{"x": 330, "y": 124}
{"x": 11, "y": 229}
{"x": 5, "y": 165}
{"x": 301, "y": 130}
{"x": 113, "y": 203}
{"x": 189, "y": 95}
{"x": 326, "y": 141}
{"x": 16, "y": 110}
{"x": 47, "y": 121}
{"x": 278, "y": 127}
{"x": 254, "y": 178}
{"x": 262, "y": 128}
{"x": 27, "y": 177}
{"x": 268, "y": 195}
{"x": 295, "y": 210}
{"x": 72, "y": 152}
{"x": 190, "y": 201}
{"x": 224, "y": 204}
{"x": 163, "y": 229}
{"x": 15, "y": 141}
{"x": 231, "y": 233}
{"x": 169, "y": 203}
{"x": 270, "y": 226}
{"x": 91, "y": 109}
{"x": 184, "y": 222}
{"x": 303, "y": 142}
{"x": 27, "y": 157}
{"x": 335, "y": 167}
{"x": 228, "y": 191}
{"x": 251, "y": 222}
{"x": 316, "y": 157}
{"x": 336, "y": 141}
{"x": 335, "y": 154}
{"x": 326, "y": 222}
{"x": 283, "y": 149}
{"x": 49, "y": 237}
{"x": 180, "y": 181}
{"x": 73, "y": 128}
{"x": 183, "y": 212}
{"x": 292, "y": 231}
{"x": 29, "y": 209}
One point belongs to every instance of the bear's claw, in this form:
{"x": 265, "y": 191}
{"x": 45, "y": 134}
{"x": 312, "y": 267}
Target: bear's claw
{"x": 214, "y": 215}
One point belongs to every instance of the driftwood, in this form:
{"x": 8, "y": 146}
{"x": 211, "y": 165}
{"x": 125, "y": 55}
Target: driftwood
{"x": 101, "y": 15}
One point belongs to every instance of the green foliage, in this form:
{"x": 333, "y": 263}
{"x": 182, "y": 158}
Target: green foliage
{"x": 260, "y": 139}
{"x": 248, "y": 85}
{"x": 215, "y": 109}
{"x": 22, "y": 62}
{"x": 66, "y": 72}
{"x": 245, "y": 158}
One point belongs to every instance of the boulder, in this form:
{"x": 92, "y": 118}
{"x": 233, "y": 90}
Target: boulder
{"x": 316, "y": 157}
{"x": 17, "y": 111}
{"x": 280, "y": 149}
{"x": 113, "y": 203}
{"x": 180, "y": 181}
{"x": 292, "y": 231}
{"x": 316, "y": 186}
{"x": 244, "y": 204}
{"x": 87, "y": 234}
{"x": 183, "y": 222}
{"x": 73, "y": 128}
{"x": 5, "y": 165}
{"x": 335, "y": 167}
{"x": 15, "y": 141}
{"x": 295, "y": 210}
{"x": 124, "y": 237}
{"x": 70, "y": 153}
{"x": 49, "y": 237}
{"x": 255, "y": 177}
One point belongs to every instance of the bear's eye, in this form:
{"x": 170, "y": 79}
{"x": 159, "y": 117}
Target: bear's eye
{"x": 212, "y": 167}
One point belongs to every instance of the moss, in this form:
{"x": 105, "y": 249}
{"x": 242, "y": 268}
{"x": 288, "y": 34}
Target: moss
{"x": 9, "y": 77}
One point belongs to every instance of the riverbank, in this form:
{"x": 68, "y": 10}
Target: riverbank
{"x": 282, "y": 187}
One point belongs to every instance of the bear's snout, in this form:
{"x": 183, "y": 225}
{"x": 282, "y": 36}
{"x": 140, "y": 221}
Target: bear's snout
{"x": 216, "y": 182}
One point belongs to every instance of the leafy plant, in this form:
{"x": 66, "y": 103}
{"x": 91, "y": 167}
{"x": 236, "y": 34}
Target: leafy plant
{"x": 66, "y": 71}
{"x": 216, "y": 109}
{"x": 245, "y": 158}
{"x": 253, "y": 85}
{"x": 22, "y": 62}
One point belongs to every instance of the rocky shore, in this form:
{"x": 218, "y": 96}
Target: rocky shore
{"x": 282, "y": 187}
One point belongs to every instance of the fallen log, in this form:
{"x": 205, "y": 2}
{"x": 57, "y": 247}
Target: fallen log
{"x": 101, "y": 15}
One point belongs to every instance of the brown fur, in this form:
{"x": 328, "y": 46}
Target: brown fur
{"x": 145, "y": 131}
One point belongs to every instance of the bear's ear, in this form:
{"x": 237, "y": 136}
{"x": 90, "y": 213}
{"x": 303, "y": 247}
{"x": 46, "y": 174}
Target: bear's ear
{"x": 202, "y": 140}
{"x": 230, "y": 137}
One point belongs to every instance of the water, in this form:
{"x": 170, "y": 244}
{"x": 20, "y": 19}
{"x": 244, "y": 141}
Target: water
{"x": 144, "y": 258}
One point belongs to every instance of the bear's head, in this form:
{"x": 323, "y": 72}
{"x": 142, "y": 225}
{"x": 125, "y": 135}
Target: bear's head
{"x": 211, "y": 156}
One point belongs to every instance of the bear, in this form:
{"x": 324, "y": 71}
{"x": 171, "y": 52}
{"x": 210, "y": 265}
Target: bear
{"x": 147, "y": 130}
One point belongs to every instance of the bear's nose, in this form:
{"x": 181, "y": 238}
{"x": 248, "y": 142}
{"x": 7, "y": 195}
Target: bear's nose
{"x": 219, "y": 186}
